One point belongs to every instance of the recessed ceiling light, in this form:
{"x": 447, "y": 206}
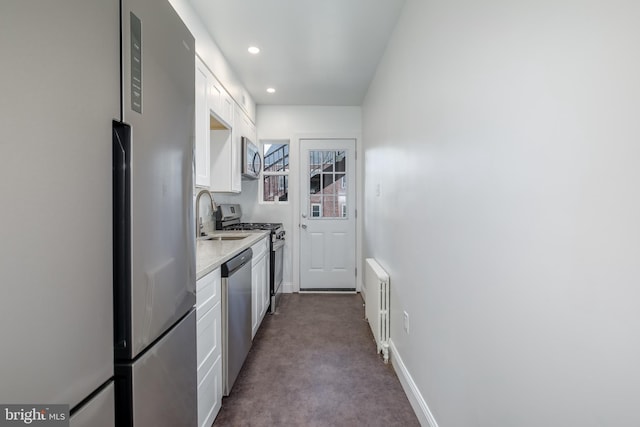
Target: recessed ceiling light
{"x": 271, "y": 90}
{"x": 253, "y": 50}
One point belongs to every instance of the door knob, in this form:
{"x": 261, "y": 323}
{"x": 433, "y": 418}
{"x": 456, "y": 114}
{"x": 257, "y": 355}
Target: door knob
{"x": 304, "y": 226}
{"x": 304, "y": 215}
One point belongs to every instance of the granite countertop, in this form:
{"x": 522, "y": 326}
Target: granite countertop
{"x": 211, "y": 254}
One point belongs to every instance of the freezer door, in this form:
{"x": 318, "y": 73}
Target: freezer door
{"x": 98, "y": 412}
{"x": 60, "y": 91}
{"x": 158, "y": 103}
{"x": 159, "y": 388}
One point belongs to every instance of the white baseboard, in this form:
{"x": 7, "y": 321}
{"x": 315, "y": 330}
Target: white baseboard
{"x": 288, "y": 288}
{"x": 411, "y": 389}
{"x": 302, "y": 291}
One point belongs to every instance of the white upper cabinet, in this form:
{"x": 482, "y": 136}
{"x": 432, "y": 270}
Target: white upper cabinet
{"x": 248, "y": 128}
{"x": 224, "y": 161}
{"x": 226, "y": 149}
{"x": 225, "y": 156}
{"x": 220, "y": 126}
{"x": 217, "y": 142}
{"x": 220, "y": 102}
{"x": 215, "y": 94}
{"x": 202, "y": 147}
{"x": 226, "y": 107}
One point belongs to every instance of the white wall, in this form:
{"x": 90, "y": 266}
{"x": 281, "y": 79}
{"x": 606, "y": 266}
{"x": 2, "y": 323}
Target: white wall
{"x": 212, "y": 56}
{"x": 290, "y": 123}
{"x": 504, "y": 136}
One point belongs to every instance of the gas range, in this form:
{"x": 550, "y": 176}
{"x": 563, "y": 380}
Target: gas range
{"x": 254, "y": 226}
{"x": 276, "y": 229}
{"x": 228, "y": 218}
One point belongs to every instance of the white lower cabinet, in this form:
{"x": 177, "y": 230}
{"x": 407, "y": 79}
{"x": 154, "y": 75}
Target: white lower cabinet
{"x": 259, "y": 284}
{"x": 209, "y": 350}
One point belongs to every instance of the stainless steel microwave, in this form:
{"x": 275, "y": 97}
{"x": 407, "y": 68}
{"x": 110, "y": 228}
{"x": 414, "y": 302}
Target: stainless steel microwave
{"x": 251, "y": 160}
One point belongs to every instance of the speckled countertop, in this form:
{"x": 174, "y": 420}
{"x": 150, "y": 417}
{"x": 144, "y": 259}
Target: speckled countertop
{"x": 211, "y": 254}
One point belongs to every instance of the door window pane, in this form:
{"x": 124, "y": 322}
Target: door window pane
{"x": 315, "y": 161}
{"x": 341, "y": 157}
{"x": 331, "y": 207}
{"x": 327, "y": 183}
{"x": 327, "y": 163}
{"x": 341, "y": 183}
{"x": 315, "y": 206}
{"x": 315, "y": 184}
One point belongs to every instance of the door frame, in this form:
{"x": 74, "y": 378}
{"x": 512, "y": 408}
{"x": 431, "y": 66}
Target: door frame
{"x": 294, "y": 188}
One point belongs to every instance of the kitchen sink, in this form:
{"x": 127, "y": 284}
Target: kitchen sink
{"x": 224, "y": 236}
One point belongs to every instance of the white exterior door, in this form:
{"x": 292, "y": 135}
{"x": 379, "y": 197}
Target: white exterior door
{"x": 328, "y": 211}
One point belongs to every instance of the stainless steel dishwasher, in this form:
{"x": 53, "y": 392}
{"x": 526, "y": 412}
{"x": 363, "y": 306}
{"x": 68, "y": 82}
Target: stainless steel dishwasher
{"x": 236, "y": 316}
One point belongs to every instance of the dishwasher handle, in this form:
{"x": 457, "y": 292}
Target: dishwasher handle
{"x": 235, "y": 263}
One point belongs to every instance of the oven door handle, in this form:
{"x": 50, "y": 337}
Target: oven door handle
{"x": 277, "y": 245}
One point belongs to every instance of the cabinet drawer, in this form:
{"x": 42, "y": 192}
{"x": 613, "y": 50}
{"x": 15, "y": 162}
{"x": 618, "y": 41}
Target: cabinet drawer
{"x": 208, "y": 339}
{"x": 207, "y": 292}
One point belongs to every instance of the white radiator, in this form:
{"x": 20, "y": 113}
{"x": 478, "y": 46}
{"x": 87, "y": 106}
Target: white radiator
{"x": 376, "y": 282}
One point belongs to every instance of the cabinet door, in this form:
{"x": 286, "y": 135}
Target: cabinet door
{"x": 236, "y": 161}
{"x": 225, "y": 149}
{"x": 265, "y": 285}
{"x": 258, "y": 283}
{"x": 255, "y": 299}
{"x": 215, "y": 96}
{"x": 220, "y": 102}
{"x": 221, "y": 160}
{"x": 226, "y": 107}
{"x": 253, "y": 134}
{"x": 249, "y": 128}
{"x": 202, "y": 147}
{"x": 259, "y": 291}
{"x": 210, "y": 394}
{"x": 236, "y": 150}
{"x": 262, "y": 272}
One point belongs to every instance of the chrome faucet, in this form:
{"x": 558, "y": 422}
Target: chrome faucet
{"x": 199, "y": 225}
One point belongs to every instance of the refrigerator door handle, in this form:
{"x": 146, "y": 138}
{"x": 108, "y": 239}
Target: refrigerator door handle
{"x": 121, "y": 236}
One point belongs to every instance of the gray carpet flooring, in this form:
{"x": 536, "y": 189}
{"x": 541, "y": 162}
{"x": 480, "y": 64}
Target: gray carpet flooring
{"x": 314, "y": 364}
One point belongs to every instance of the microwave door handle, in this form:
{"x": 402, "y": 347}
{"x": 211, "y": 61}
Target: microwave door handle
{"x": 257, "y": 159}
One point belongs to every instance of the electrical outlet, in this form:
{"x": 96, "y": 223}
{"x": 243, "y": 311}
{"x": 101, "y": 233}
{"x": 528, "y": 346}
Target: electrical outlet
{"x": 377, "y": 190}
{"x": 405, "y": 322}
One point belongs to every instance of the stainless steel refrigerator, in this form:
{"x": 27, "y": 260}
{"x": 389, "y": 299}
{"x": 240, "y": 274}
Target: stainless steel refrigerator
{"x": 67, "y": 90}
{"x": 154, "y": 243}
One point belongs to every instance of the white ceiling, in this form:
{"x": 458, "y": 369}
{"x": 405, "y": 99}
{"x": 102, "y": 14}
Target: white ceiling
{"x": 313, "y": 52}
